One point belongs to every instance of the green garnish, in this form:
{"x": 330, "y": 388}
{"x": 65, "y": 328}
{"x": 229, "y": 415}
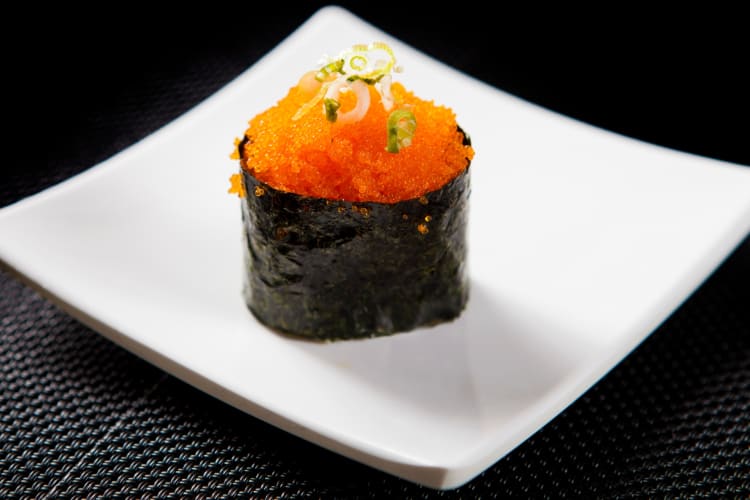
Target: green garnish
{"x": 401, "y": 127}
{"x": 332, "y": 106}
{"x": 369, "y": 62}
{"x": 360, "y": 64}
{"x": 368, "y": 81}
{"x": 336, "y": 66}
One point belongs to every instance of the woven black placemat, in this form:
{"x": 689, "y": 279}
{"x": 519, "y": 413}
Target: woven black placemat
{"x": 80, "y": 416}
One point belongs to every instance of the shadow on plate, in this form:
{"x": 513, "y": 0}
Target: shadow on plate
{"x": 494, "y": 360}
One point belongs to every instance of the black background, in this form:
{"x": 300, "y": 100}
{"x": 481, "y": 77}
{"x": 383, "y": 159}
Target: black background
{"x": 676, "y": 81}
{"x": 80, "y": 416}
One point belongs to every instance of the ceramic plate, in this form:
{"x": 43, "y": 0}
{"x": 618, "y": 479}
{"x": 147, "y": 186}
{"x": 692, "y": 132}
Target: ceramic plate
{"x": 581, "y": 243}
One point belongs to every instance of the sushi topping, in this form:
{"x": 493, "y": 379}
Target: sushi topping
{"x": 329, "y": 69}
{"x": 354, "y": 70}
{"x": 332, "y": 102}
{"x": 237, "y": 187}
{"x": 401, "y": 127}
{"x": 348, "y": 131}
{"x": 332, "y": 106}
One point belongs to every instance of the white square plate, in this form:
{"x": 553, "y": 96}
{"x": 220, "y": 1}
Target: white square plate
{"x": 581, "y": 243}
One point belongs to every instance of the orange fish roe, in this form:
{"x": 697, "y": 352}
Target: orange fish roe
{"x": 237, "y": 187}
{"x": 314, "y": 157}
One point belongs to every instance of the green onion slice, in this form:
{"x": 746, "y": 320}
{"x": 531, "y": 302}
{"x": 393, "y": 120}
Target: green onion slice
{"x": 332, "y": 106}
{"x": 401, "y": 127}
{"x": 330, "y": 68}
{"x": 367, "y": 62}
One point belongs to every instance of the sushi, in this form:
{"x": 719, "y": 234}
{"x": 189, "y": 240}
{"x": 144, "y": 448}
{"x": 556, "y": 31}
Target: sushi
{"x": 354, "y": 196}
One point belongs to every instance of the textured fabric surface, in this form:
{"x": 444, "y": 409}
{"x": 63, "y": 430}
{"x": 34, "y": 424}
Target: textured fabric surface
{"x": 81, "y": 417}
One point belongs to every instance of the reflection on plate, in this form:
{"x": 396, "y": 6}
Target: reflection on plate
{"x": 581, "y": 243}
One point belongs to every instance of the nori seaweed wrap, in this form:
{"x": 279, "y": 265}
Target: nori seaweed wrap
{"x": 325, "y": 266}
{"x": 330, "y": 269}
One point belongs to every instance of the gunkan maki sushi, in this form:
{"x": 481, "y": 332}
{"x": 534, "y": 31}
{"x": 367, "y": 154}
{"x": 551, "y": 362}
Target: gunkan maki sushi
{"x": 354, "y": 204}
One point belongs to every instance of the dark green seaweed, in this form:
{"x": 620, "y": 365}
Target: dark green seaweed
{"x": 330, "y": 269}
